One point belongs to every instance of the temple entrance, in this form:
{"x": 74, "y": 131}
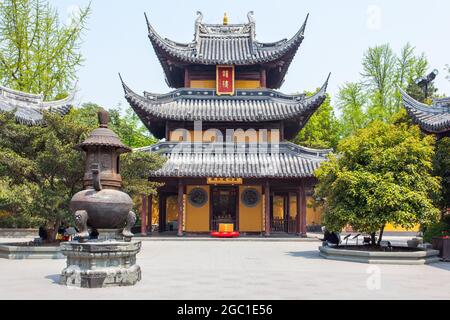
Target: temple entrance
{"x": 283, "y": 213}
{"x": 168, "y": 212}
{"x": 224, "y": 207}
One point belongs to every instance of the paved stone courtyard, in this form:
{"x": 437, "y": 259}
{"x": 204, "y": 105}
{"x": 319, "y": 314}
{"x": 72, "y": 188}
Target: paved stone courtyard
{"x": 236, "y": 270}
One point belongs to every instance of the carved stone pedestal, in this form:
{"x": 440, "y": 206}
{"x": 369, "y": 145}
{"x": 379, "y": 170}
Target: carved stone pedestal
{"x": 100, "y": 264}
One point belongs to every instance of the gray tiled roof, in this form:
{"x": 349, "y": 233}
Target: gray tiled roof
{"x": 233, "y": 44}
{"x": 225, "y": 44}
{"x": 433, "y": 119}
{"x": 213, "y": 160}
{"x": 28, "y": 108}
{"x": 203, "y": 104}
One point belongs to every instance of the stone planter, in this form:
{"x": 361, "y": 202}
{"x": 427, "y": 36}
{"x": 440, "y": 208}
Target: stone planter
{"x": 15, "y": 252}
{"x": 18, "y": 233}
{"x": 400, "y": 258}
{"x": 443, "y": 246}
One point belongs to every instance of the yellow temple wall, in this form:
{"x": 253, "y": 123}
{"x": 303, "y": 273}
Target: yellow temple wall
{"x": 197, "y": 219}
{"x": 392, "y": 228}
{"x": 241, "y": 136}
{"x": 250, "y": 219}
{"x": 239, "y": 84}
{"x": 248, "y": 84}
{"x": 313, "y": 215}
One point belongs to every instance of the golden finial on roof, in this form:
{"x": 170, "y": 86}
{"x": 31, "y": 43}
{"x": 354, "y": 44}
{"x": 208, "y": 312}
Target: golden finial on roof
{"x": 225, "y": 19}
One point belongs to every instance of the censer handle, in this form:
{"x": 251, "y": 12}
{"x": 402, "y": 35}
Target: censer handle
{"x": 96, "y": 177}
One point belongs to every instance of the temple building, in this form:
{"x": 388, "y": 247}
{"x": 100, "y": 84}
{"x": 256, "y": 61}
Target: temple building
{"x": 225, "y": 131}
{"x": 29, "y": 108}
{"x": 434, "y": 119}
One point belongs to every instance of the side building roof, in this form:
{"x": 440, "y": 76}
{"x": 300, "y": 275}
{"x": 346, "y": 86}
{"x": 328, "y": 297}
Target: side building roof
{"x": 432, "y": 119}
{"x": 257, "y": 105}
{"x": 29, "y": 108}
{"x": 233, "y": 44}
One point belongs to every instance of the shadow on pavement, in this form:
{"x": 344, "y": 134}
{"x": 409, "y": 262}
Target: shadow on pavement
{"x": 306, "y": 254}
{"x": 441, "y": 265}
{"x": 54, "y": 278}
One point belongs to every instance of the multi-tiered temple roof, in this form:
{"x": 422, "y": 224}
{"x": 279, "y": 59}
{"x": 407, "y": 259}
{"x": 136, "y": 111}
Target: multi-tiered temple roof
{"x": 29, "y": 108}
{"x": 433, "y": 119}
{"x": 233, "y": 44}
{"x": 258, "y": 107}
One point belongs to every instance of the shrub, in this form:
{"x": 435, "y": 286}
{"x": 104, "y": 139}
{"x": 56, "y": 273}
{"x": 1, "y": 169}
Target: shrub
{"x": 436, "y": 230}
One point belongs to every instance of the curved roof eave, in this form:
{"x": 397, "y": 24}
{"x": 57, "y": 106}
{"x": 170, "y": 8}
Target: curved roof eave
{"x": 300, "y": 105}
{"x": 433, "y": 119}
{"x": 29, "y": 107}
{"x": 185, "y": 52}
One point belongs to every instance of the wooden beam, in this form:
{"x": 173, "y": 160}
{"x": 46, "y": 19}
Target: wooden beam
{"x": 144, "y": 215}
{"x": 267, "y": 208}
{"x": 180, "y": 207}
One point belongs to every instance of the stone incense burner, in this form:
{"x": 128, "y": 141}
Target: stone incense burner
{"x": 102, "y": 205}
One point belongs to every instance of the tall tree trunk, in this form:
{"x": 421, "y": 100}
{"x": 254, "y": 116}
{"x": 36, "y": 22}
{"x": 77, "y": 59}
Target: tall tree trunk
{"x": 374, "y": 238}
{"x": 381, "y": 234}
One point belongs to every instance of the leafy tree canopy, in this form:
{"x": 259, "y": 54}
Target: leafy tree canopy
{"x": 40, "y": 170}
{"x": 322, "y": 129}
{"x": 38, "y": 54}
{"x": 376, "y": 95}
{"x": 382, "y": 174}
{"x": 442, "y": 169}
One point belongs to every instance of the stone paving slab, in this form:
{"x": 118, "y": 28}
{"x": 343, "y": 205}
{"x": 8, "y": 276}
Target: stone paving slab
{"x": 236, "y": 270}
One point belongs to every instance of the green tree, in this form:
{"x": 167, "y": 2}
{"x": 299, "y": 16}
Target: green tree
{"x": 383, "y": 174}
{"x": 375, "y": 96}
{"x": 40, "y": 170}
{"x": 130, "y": 129}
{"x": 42, "y": 162}
{"x": 442, "y": 169}
{"x": 378, "y": 74}
{"x": 352, "y": 102}
{"x": 38, "y": 54}
{"x": 322, "y": 129}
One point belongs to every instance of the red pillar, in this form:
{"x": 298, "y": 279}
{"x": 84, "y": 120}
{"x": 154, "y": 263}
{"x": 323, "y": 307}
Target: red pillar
{"x": 144, "y": 216}
{"x": 180, "y": 208}
{"x": 299, "y": 210}
{"x": 149, "y": 212}
{"x": 263, "y": 77}
{"x": 302, "y": 196}
{"x": 267, "y": 208}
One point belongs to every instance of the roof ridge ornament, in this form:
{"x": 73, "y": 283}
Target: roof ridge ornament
{"x": 250, "y": 16}
{"x": 252, "y": 23}
{"x": 199, "y": 18}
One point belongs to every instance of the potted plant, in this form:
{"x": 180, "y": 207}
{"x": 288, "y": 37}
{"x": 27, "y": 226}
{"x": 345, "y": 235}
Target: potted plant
{"x": 442, "y": 243}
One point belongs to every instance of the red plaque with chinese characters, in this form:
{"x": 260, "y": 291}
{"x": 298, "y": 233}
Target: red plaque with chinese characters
{"x": 225, "y": 80}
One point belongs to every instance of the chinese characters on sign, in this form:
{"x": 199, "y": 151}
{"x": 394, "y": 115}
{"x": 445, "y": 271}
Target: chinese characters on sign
{"x": 225, "y": 80}
{"x": 225, "y": 181}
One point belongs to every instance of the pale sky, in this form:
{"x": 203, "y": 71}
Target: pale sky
{"x": 337, "y": 35}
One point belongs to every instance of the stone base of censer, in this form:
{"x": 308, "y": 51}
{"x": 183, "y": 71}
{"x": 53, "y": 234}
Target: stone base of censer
{"x": 100, "y": 264}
